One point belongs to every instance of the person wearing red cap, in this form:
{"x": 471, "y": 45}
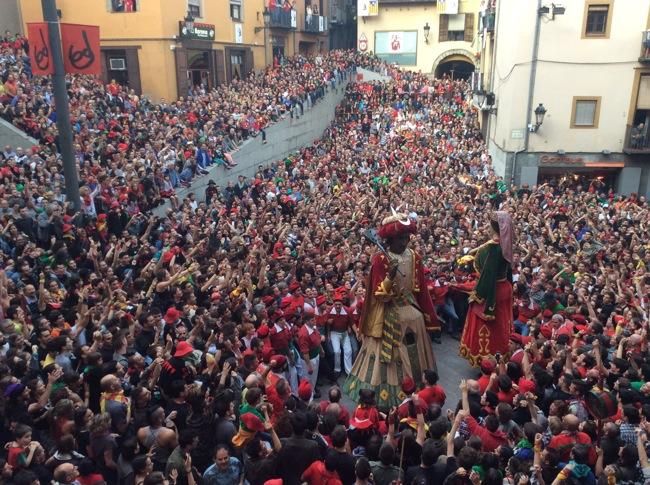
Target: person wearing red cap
{"x": 305, "y": 391}
{"x": 339, "y": 324}
{"x": 309, "y": 344}
{"x": 489, "y": 318}
{"x": 488, "y": 366}
{"x": 395, "y": 316}
{"x": 176, "y": 368}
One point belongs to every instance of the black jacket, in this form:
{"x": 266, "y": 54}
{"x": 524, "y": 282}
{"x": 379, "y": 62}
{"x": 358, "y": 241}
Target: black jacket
{"x": 295, "y": 456}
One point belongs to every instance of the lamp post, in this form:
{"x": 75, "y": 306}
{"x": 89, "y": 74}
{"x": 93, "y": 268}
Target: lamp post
{"x": 427, "y": 30}
{"x": 61, "y": 101}
{"x": 189, "y": 22}
{"x": 540, "y": 112}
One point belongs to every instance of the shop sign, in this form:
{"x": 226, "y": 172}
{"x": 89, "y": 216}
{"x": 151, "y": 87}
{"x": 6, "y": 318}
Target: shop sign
{"x": 199, "y": 31}
{"x": 553, "y": 160}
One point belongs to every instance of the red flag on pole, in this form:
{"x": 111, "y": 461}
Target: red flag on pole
{"x": 81, "y": 49}
{"x": 40, "y": 50}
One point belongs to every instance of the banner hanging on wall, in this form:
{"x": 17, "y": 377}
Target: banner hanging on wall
{"x": 449, "y": 7}
{"x": 81, "y": 49}
{"x": 38, "y": 35}
{"x": 367, "y": 8}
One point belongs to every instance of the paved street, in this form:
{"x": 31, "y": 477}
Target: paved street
{"x": 451, "y": 368}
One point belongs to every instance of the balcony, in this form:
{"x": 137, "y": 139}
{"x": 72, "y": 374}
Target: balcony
{"x": 487, "y": 20}
{"x": 315, "y": 23}
{"x": 645, "y": 47}
{"x": 282, "y": 19}
{"x": 637, "y": 140}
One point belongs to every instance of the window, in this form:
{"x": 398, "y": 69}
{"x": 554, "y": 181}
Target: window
{"x": 235, "y": 10}
{"x": 194, "y": 8}
{"x": 456, "y": 29}
{"x": 598, "y": 19}
{"x": 123, "y": 6}
{"x": 585, "y": 112}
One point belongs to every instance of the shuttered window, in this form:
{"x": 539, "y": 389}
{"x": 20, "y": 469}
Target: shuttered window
{"x": 469, "y": 27}
{"x": 456, "y": 27}
{"x": 443, "y": 29}
{"x": 643, "y": 99}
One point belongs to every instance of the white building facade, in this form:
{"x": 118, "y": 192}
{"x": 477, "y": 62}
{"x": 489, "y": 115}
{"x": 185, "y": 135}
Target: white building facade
{"x": 587, "y": 63}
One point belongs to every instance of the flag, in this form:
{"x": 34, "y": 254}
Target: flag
{"x": 81, "y": 53}
{"x": 40, "y": 50}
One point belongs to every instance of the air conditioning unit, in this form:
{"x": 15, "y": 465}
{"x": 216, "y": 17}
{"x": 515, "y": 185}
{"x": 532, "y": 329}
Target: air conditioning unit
{"x": 117, "y": 64}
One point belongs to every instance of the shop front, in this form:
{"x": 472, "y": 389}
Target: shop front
{"x": 198, "y": 65}
{"x": 593, "y": 171}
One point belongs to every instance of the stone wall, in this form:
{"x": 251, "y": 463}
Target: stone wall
{"x": 10, "y": 135}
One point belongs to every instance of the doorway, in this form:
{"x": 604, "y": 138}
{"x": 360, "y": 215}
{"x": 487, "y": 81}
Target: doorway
{"x": 455, "y": 69}
{"x": 236, "y": 65}
{"x": 198, "y": 70}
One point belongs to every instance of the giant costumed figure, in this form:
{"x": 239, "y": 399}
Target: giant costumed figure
{"x": 489, "y": 319}
{"x": 396, "y": 316}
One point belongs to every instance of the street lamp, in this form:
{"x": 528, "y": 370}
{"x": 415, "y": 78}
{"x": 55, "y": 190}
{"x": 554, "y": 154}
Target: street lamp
{"x": 267, "y": 16}
{"x": 480, "y": 98}
{"x": 540, "y": 112}
{"x": 189, "y": 22}
{"x": 427, "y": 30}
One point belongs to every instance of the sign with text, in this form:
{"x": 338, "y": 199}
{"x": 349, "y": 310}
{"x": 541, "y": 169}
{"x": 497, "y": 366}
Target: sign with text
{"x": 81, "y": 49}
{"x": 198, "y": 32}
{"x": 563, "y": 160}
{"x": 367, "y": 8}
{"x": 40, "y": 49}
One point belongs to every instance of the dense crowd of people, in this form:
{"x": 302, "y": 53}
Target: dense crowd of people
{"x": 189, "y": 348}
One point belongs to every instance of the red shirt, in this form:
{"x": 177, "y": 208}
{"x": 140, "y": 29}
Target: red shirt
{"x": 341, "y": 321}
{"x": 317, "y": 474}
{"x": 507, "y": 396}
{"x": 308, "y": 340}
{"x": 344, "y": 414}
{"x": 433, "y": 394}
{"x": 16, "y": 456}
{"x": 491, "y": 439}
{"x": 565, "y": 441}
{"x": 280, "y": 338}
{"x": 526, "y": 313}
{"x": 371, "y": 414}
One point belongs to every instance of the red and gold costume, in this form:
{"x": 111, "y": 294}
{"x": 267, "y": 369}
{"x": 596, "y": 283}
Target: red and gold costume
{"x": 394, "y": 321}
{"x": 489, "y": 319}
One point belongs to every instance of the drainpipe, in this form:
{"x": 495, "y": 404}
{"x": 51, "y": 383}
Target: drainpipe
{"x": 494, "y": 64}
{"x": 531, "y": 87}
